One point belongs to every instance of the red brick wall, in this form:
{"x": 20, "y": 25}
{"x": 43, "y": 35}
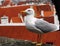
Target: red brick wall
{"x": 20, "y": 32}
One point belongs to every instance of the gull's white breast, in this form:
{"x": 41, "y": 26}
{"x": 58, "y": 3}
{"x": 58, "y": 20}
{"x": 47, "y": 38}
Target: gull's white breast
{"x": 29, "y": 21}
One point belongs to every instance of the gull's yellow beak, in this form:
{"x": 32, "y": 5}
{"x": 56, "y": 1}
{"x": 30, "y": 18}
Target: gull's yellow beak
{"x": 23, "y": 11}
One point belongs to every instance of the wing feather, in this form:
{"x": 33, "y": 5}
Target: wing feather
{"x": 45, "y": 26}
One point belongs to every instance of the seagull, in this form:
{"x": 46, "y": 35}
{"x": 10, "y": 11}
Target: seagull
{"x": 36, "y": 25}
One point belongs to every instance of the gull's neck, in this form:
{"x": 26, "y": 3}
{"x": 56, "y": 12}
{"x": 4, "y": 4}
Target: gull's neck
{"x": 29, "y": 19}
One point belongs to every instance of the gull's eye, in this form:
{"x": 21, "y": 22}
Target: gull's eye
{"x": 29, "y": 10}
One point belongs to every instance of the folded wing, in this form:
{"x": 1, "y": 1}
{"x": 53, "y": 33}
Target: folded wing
{"x": 45, "y": 26}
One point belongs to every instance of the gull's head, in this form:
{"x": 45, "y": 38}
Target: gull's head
{"x": 29, "y": 11}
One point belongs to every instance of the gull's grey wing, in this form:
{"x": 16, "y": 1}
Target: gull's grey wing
{"x": 33, "y": 28}
{"x": 44, "y": 26}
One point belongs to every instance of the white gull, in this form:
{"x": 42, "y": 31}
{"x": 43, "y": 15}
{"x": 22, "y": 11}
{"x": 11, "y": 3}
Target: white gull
{"x": 37, "y": 25}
